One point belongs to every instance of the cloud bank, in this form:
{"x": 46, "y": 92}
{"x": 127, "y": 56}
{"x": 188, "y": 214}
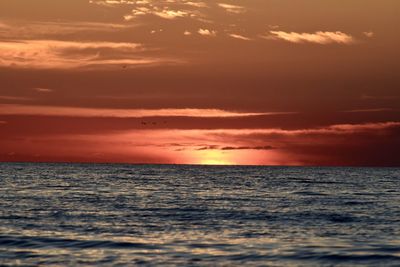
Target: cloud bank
{"x": 53, "y": 54}
{"x": 15, "y": 109}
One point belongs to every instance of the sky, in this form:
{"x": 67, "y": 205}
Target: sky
{"x": 241, "y": 82}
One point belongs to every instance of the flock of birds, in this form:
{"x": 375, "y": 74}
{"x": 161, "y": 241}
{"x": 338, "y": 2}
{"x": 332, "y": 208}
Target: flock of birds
{"x": 145, "y": 123}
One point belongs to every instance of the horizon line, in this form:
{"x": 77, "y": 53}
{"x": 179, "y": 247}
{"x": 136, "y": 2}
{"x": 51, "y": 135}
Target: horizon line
{"x": 196, "y": 164}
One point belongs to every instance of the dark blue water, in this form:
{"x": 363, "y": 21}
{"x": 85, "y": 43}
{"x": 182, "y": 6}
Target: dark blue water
{"x": 64, "y": 214}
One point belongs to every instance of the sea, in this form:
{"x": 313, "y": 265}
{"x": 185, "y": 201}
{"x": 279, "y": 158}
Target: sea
{"x": 183, "y": 215}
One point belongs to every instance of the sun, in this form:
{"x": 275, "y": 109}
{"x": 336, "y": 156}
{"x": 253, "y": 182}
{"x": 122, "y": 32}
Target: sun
{"x": 214, "y": 162}
{"x": 214, "y": 158}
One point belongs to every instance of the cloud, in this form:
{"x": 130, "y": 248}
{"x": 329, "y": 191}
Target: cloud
{"x": 248, "y": 148}
{"x": 11, "y": 109}
{"x": 232, "y": 8}
{"x": 216, "y": 147}
{"x": 169, "y": 10}
{"x": 337, "y": 129}
{"x": 112, "y": 3}
{"x": 3, "y": 25}
{"x": 380, "y": 97}
{"x": 274, "y": 27}
{"x": 20, "y": 29}
{"x": 317, "y": 37}
{"x": 341, "y": 144}
{"x": 346, "y": 128}
{"x": 52, "y": 54}
{"x": 171, "y": 14}
{"x": 196, "y": 4}
{"x": 43, "y": 90}
{"x": 206, "y": 32}
{"x": 369, "y": 34}
{"x": 209, "y": 147}
{"x": 368, "y": 110}
{"x": 162, "y": 13}
{"x": 240, "y": 37}
{"x": 14, "y": 98}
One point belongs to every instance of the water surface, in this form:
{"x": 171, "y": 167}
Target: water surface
{"x": 104, "y": 214}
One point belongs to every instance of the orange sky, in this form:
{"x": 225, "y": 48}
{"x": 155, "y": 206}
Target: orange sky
{"x": 270, "y": 82}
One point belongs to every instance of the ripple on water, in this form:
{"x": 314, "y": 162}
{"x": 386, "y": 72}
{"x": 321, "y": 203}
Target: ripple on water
{"x": 104, "y": 214}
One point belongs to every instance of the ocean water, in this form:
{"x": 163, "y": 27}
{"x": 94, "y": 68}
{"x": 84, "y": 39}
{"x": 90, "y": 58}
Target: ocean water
{"x": 117, "y": 215}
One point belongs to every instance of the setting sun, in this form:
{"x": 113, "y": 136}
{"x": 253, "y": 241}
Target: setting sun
{"x": 214, "y": 158}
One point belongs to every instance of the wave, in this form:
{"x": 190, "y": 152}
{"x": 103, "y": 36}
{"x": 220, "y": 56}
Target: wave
{"x": 50, "y": 242}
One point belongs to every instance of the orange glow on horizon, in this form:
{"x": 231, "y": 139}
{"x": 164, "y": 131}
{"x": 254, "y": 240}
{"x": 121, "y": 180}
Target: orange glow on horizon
{"x": 214, "y": 157}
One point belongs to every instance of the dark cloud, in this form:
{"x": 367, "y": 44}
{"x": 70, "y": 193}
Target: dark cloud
{"x": 208, "y": 147}
{"x": 216, "y": 147}
{"x": 247, "y": 148}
